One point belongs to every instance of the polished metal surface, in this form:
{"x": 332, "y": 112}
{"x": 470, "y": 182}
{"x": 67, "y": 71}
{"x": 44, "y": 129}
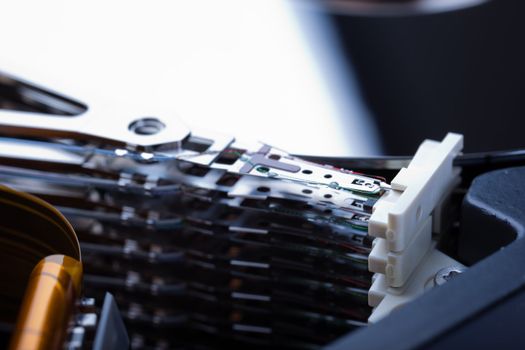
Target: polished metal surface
{"x": 235, "y": 225}
{"x": 266, "y": 70}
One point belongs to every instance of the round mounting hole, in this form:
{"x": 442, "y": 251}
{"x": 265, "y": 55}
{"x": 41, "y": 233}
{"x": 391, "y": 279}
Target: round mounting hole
{"x": 327, "y": 176}
{"x": 263, "y": 189}
{"x": 274, "y": 156}
{"x": 307, "y": 171}
{"x": 307, "y": 191}
{"x": 327, "y": 195}
{"x": 146, "y": 126}
{"x": 262, "y": 169}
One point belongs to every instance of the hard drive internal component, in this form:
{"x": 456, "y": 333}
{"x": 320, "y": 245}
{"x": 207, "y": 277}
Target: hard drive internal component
{"x": 53, "y": 288}
{"x": 212, "y": 245}
{"x": 40, "y": 258}
{"x": 208, "y": 241}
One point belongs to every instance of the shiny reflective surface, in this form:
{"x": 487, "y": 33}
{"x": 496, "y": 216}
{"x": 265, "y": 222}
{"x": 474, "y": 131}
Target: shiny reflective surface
{"x": 262, "y": 69}
{"x": 31, "y": 230}
{"x": 48, "y": 304}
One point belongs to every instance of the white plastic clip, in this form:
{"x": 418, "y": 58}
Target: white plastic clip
{"x": 402, "y": 219}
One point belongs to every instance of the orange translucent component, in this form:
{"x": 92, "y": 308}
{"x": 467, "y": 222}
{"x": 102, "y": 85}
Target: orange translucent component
{"x": 48, "y": 304}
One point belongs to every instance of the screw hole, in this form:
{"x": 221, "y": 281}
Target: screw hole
{"x": 263, "y": 189}
{"x": 263, "y": 169}
{"x": 146, "y": 126}
{"x": 327, "y": 195}
{"x": 327, "y": 176}
{"x": 307, "y": 171}
{"x": 307, "y": 191}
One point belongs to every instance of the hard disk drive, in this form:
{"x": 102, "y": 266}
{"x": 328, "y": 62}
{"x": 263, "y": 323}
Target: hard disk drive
{"x": 123, "y": 227}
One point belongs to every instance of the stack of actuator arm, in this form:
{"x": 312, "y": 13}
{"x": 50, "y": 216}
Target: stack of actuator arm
{"x": 208, "y": 241}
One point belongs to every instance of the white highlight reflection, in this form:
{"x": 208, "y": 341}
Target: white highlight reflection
{"x": 244, "y": 67}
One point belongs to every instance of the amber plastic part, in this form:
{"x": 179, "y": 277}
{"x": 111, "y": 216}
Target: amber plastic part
{"x": 30, "y": 230}
{"x": 48, "y": 304}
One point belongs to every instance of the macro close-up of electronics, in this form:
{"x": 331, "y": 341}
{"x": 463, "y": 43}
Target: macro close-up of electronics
{"x": 276, "y": 174}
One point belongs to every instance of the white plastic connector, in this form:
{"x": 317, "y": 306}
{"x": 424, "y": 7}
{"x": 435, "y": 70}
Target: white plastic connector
{"x": 402, "y": 222}
{"x": 397, "y": 266}
{"x": 416, "y": 191}
{"x": 386, "y": 299}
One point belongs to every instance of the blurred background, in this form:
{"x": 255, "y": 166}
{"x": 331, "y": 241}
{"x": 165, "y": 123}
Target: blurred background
{"x": 330, "y": 78}
{"x": 422, "y": 76}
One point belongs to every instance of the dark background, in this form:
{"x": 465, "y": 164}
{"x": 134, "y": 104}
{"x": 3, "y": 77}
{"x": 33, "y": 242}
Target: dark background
{"x": 425, "y": 75}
